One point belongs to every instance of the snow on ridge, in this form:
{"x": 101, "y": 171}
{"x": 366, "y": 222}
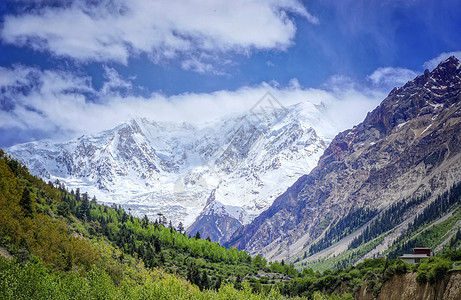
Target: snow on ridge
{"x": 152, "y": 167}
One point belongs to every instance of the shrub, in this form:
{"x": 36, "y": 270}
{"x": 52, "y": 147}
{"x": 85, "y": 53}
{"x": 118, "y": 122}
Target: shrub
{"x": 432, "y": 269}
{"x": 400, "y": 267}
{"x": 264, "y": 280}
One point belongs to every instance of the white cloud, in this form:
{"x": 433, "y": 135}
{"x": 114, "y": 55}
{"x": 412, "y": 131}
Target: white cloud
{"x": 114, "y": 30}
{"x": 433, "y": 63}
{"x": 200, "y": 66}
{"x": 352, "y": 100}
{"x": 388, "y": 77}
{"x": 294, "y": 84}
{"x": 56, "y": 103}
{"x": 337, "y": 83}
{"x": 114, "y": 82}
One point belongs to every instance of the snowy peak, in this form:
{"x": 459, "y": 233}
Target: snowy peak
{"x": 243, "y": 162}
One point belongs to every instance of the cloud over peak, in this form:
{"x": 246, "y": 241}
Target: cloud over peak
{"x": 433, "y": 63}
{"x": 40, "y": 104}
{"x": 113, "y": 31}
{"x": 389, "y": 77}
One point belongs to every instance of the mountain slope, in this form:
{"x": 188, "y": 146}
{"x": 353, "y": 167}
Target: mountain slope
{"x": 409, "y": 146}
{"x": 179, "y": 169}
{"x": 68, "y": 247}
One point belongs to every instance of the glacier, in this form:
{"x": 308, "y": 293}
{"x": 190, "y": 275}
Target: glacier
{"x": 234, "y": 166}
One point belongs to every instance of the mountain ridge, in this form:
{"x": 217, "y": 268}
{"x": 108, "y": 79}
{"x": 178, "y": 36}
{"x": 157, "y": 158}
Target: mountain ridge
{"x": 395, "y": 153}
{"x": 173, "y": 168}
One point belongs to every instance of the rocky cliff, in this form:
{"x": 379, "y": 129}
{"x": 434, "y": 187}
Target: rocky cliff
{"x": 405, "y": 287}
{"x": 408, "y": 146}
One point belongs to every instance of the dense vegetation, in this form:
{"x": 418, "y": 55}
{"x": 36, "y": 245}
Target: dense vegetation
{"x": 343, "y": 227}
{"x": 67, "y": 246}
{"x": 374, "y": 272}
{"x": 414, "y": 237}
{"x": 387, "y": 220}
{"x": 439, "y": 207}
{"x": 32, "y": 280}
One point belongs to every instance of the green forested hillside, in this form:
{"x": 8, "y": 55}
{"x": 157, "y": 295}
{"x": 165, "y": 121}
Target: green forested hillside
{"x": 53, "y": 231}
{"x": 67, "y": 246}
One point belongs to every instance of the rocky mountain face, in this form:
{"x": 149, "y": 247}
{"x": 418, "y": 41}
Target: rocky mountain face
{"x": 409, "y": 145}
{"x": 225, "y": 172}
{"x": 405, "y": 287}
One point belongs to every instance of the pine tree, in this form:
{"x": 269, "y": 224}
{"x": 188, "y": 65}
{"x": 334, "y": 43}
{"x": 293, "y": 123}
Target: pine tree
{"x": 84, "y": 211}
{"x": 145, "y": 222}
{"x": 157, "y": 244}
{"x": 218, "y": 283}
{"x": 238, "y": 282}
{"x": 204, "y": 281}
{"x": 26, "y": 203}
{"x": 64, "y": 209}
{"x": 171, "y": 227}
{"x": 180, "y": 227}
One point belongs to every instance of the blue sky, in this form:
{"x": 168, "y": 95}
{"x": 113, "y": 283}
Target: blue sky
{"x": 77, "y": 67}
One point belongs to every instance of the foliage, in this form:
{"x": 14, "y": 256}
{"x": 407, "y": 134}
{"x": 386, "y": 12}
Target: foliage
{"x": 343, "y": 227}
{"x": 423, "y": 231}
{"x": 373, "y": 271}
{"x": 432, "y": 269}
{"x": 387, "y": 220}
{"x": 33, "y": 280}
{"x": 68, "y": 247}
{"x": 437, "y": 208}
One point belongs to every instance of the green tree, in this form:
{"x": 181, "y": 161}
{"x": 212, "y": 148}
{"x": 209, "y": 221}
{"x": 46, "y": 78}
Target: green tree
{"x": 26, "y": 203}
{"x": 84, "y": 211}
{"x": 145, "y": 222}
{"x": 204, "y": 281}
{"x": 218, "y": 283}
{"x": 64, "y": 209}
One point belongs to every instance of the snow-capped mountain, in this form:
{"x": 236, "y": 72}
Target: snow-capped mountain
{"x": 232, "y": 167}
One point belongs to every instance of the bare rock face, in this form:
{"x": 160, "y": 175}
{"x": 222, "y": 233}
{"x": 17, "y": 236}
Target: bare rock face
{"x": 408, "y": 145}
{"x": 405, "y": 287}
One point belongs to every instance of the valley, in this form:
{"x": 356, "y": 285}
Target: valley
{"x": 230, "y": 150}
{"x": 269, "y": 209}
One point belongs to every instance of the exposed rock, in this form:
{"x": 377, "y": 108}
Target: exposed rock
{"x": 408, "y": 145}
{"x": 405, "y": 287}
